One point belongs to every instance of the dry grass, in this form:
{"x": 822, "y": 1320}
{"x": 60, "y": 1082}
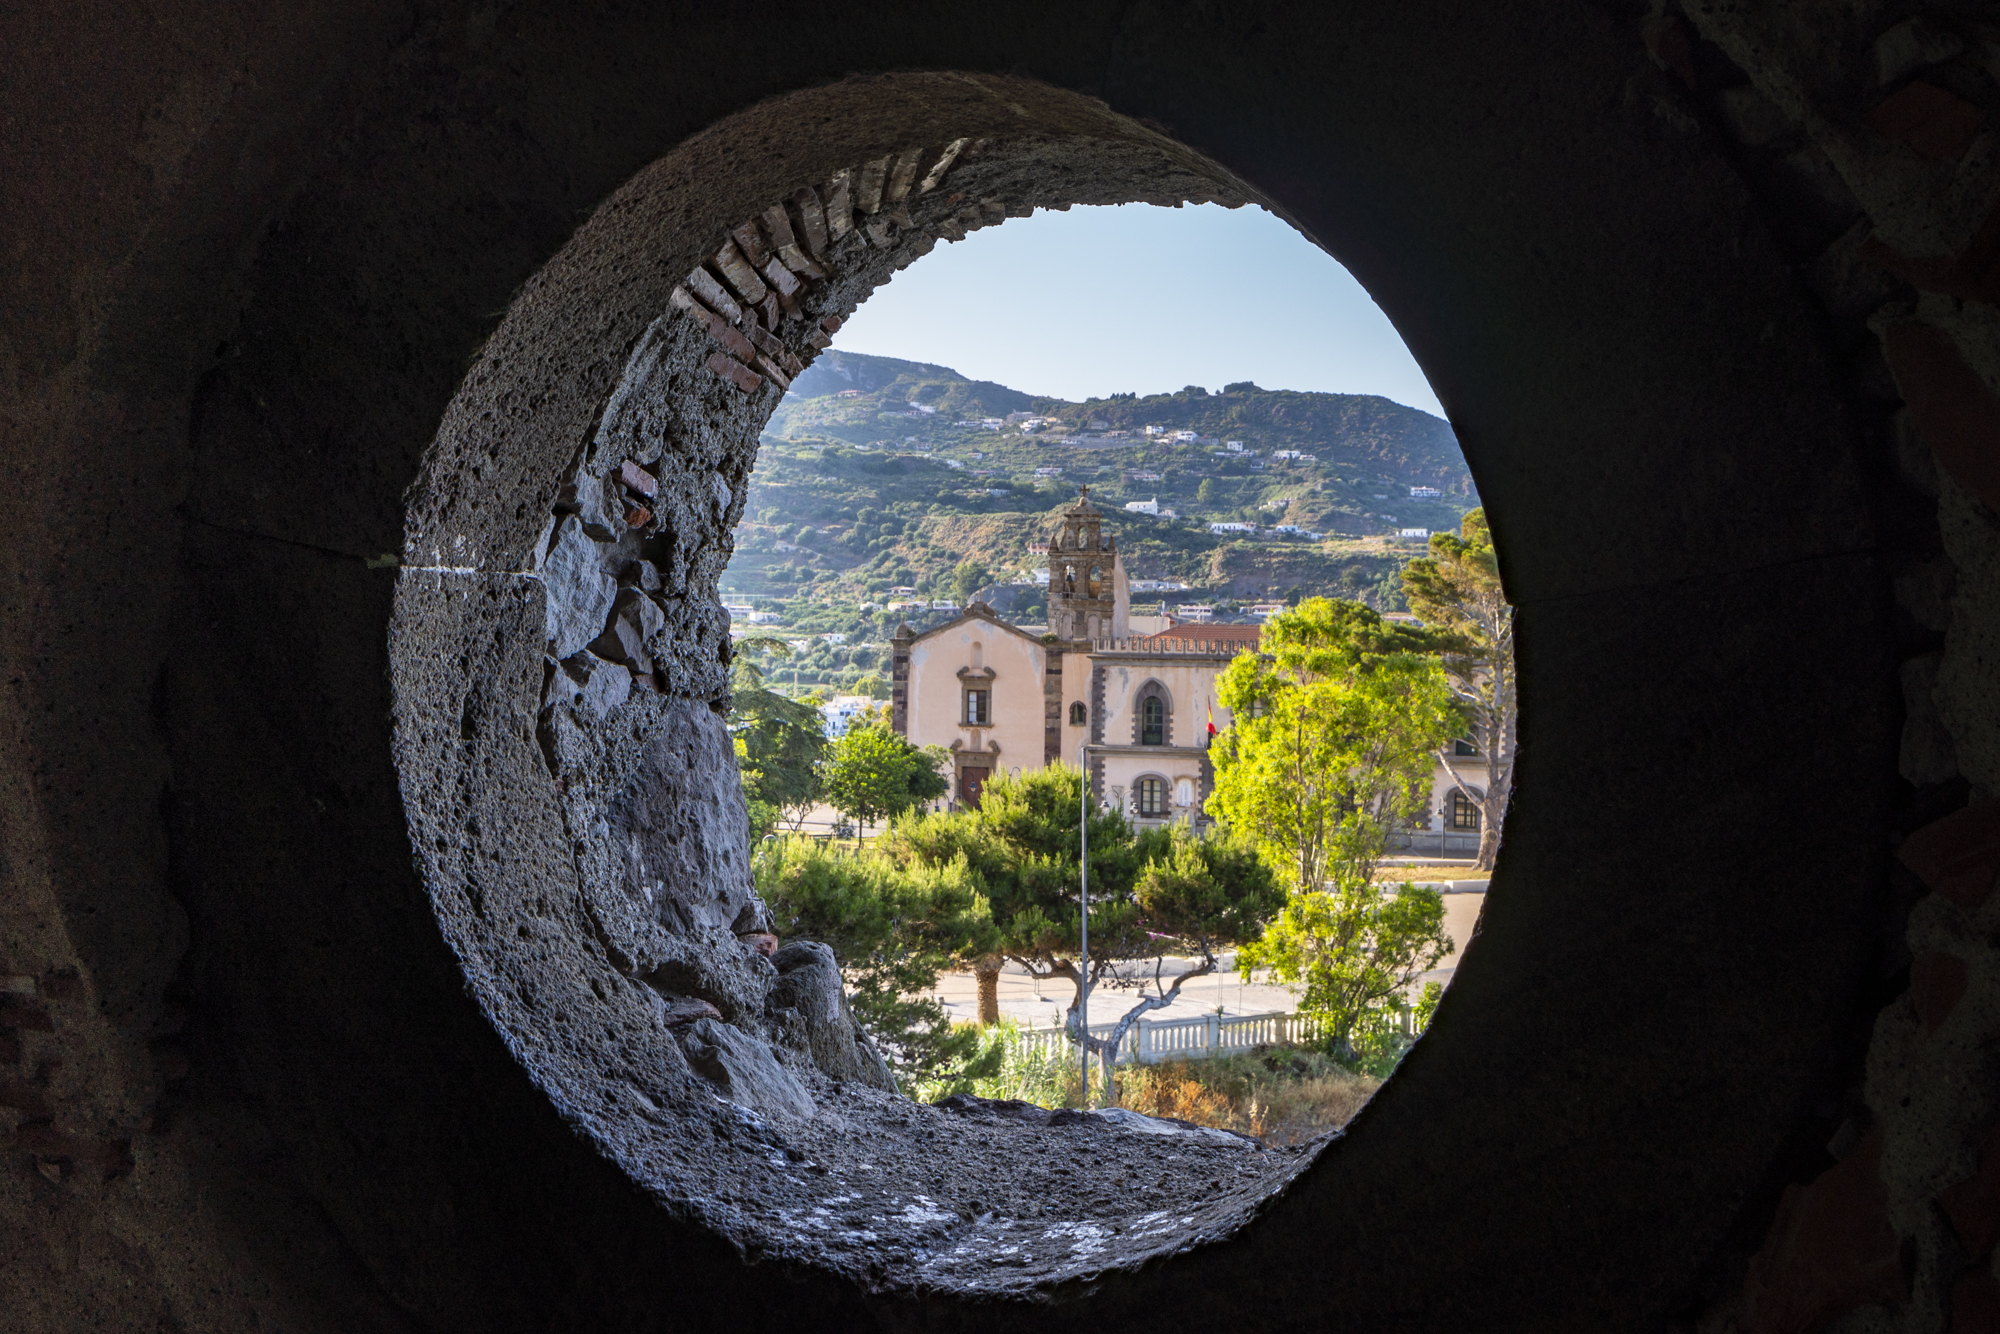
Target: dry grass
{"x": 1282, "y": 1096}
{"x": 1428, "y": 872}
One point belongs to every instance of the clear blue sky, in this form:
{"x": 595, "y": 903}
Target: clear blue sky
{"x": 1100, "y": 301}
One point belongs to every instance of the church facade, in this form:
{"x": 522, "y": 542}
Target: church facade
{"x": 1136, "y": 710}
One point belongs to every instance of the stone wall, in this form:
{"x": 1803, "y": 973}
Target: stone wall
{"x": 1868, "y": 132}
{"x": 343, "y": 986}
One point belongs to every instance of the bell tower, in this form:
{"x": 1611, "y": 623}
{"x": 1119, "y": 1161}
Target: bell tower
{"x": 1083, "y": 575}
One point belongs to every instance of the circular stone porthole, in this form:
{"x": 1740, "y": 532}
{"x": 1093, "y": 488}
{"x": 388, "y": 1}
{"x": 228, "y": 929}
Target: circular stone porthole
{"x": 561, "y": 672}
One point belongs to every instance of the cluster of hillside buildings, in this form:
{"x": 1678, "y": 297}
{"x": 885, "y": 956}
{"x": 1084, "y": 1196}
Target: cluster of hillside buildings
{"x": 1136, "y": 704}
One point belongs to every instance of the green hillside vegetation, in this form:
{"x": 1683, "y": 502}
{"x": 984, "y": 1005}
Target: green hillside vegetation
{"x": 878, "y": 479}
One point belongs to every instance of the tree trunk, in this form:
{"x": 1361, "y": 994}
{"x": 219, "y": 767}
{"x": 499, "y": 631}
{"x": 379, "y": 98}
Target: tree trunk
{"x": 987, "y": 975}
{"x": 1489, "y": 846}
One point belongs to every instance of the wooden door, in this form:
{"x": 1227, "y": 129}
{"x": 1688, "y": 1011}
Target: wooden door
{"x": 970, "y": 781}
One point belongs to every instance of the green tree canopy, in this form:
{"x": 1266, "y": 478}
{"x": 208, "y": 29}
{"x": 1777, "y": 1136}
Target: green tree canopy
{"x": 971, "y": 575}
{"x": 1457, "y": 590}
{"x": 1154, "y": 893}
{"x": 1334, "y": 729}
{"x": 894, "y": 927}
{"x": 871, "y": 773}
{"x": 779, "y": 746}
{"x": 1354, "y": 948}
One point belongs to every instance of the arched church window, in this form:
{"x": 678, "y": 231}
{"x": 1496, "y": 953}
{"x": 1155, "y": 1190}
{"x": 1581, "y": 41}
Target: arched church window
{"x": 1153, "y": 721}
{"x": 1151, "y": 796}
{"x": 1079, "y": 714}
{"x": 1464, "y": 812}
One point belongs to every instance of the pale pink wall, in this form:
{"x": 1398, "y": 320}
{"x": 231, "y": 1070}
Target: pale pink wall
{"x": 935, "y": 700}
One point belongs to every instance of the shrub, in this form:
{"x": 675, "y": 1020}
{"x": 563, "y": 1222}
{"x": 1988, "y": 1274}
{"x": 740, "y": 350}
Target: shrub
{"x": 1281, "y": 1095}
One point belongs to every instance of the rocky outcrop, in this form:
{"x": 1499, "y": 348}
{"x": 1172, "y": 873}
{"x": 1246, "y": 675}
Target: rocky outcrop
{"x": 809, "y": 1002}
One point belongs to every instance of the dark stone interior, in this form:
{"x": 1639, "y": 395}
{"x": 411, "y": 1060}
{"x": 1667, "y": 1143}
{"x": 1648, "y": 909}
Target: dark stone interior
{"x": 359, "y": 965}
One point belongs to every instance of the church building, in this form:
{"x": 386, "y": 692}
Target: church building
{"x": 1003, "y": 700}
{"x": 1136, "y": 710}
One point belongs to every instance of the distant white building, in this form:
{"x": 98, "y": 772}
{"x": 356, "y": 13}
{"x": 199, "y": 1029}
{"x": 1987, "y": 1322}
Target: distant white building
{"x": 1264, "y": 610}
{"x": 1233, "y": 445}
{"x": 763, "y": 618}
{"x": 992, "y": 423}
{"x": 1296, "y": 456}
{"x": 839, "y": 713}
{"x": 1232, "y": 527}
{"x": 834, "y": 637}
{"x": 1198, "y": 612}
{"x": 1144, "y": 506}
{"x": 1185, "y": 435}
{"x": 1048, "y": 472}
{"x": 1156, "y": 430}
{"x": 1159, "y": 586}
{"x": 1426, "y": 493}
{"x": 1142, "y": 477}
{"x": 1413, "y": 532}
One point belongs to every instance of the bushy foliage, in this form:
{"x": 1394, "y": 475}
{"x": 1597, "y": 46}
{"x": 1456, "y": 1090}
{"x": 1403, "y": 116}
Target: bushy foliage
{"x": 1154, "y": 892}
{"x": 893, "y": 928}
{"x": 1280, "y": 1095}
{"x": 1353, "y": 949}
{"x": 871, "y": 773}
{"x": 1045, "y": 1077}
{"x": 1335, "y": 725}
{"x": 779, "y": 747}
{"x": 1456, "y": 589}
{"x": 1334, "y": 729}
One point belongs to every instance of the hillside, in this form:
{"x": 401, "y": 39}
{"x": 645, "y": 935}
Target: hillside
{"x": 877, "y": 475}
{"x": 1358, "y": 439}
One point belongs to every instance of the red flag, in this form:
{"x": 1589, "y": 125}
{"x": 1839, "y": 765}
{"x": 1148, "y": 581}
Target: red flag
{"x": 1211, "y": 719}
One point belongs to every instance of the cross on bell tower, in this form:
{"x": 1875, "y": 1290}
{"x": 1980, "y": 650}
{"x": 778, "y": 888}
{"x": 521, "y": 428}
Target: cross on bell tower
{"x": 1081, "y": 560}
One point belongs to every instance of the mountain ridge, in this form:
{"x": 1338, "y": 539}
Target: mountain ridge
{"x": 864, "y": 399}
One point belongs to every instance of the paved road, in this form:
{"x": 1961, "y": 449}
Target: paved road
{"x": 1042, "y": 1005}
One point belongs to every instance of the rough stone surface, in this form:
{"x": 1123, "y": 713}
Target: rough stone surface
{"x": 348, "y": 1023}
{"x": 1971, "y": 663}
{"x": 743, "y": 1069}
{"x": 580, "y": 593}
{"x": 810, "y": 996}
